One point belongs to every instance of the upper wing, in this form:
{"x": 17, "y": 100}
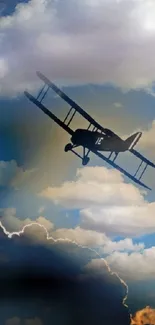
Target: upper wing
{"x": 137, "y": 154}
{"x": 47, "y": 112}
{"x": 120, "y": 169}
{"x": 70, "y": 102}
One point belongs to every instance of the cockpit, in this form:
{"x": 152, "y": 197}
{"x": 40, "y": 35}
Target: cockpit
{"x": 109, "y": 133}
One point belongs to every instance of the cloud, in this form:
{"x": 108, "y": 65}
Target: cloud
{"x": 106, "y": 203}
{"x": 148, "y": 138}
{"x": 135, "y": 266}
{"x": 147, "y": 141}
{"x": 92, "y": 239}
{"x": 96, "y": 266}
{"x": 118, "y": 105}
{"x": 12, "y": 223}
{"x": 145, "y": 316}
{"x": 93, "y": 186}
{"x": 12, "y": 175}
{"x": 41, "y": 209}
{"x": 88, "y": 238}
{"x": 79, "y": 42}
{"x": 39, "y": 276}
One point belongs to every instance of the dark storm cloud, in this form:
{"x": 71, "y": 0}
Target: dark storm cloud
{"x": 45, "y": 282}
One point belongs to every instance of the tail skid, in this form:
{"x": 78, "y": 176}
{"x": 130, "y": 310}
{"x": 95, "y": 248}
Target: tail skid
{"x": 132, "y": 140}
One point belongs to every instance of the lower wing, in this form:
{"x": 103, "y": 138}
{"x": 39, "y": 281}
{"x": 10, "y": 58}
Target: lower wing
{"x": 138, "y": 154}
{"x": 123, "y": 171}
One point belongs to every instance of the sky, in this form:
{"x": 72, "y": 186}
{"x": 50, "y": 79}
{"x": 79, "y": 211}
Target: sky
{"x": 99, "y": 261}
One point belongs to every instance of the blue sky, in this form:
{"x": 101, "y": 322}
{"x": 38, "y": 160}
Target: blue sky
{"x": 112, "y": 80}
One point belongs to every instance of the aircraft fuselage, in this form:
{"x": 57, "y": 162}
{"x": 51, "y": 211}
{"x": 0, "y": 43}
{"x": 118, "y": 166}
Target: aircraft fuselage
{"x": 98, "y": 141}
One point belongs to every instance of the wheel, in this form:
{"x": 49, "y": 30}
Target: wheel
{"x": 68, "y": 147}
{"x": 85, "y": 161}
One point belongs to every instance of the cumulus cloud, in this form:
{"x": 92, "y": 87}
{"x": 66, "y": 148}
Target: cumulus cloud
{"x": 80, "y": 41}
{"x": 87, "y": 238}
{"x": 92, "y": 239}
{"x": 105, "y": 202}
{"x": 94, "y": 186}
{"x": 96, "y": 266}
{"x": 12, "y": 223}
{"x": 134, "y": 266}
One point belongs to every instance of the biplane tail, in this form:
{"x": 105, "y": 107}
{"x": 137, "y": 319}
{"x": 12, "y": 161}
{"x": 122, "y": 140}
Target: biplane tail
{"x": 132, "y": 140}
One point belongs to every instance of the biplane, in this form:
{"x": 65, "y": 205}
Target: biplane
{"x": 95, "y": 138}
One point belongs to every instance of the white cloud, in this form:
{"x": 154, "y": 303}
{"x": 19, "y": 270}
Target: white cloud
{"x": 12, "y": 223}
{"x": 3, "y": 68}
{"x": 41, "y": 209}
{"x": 118, "y": 105}
{"x": 96, "y": 265}
{"x": 78, "y": 41}
{"x": 122, "y": 245}
{"x": 135, "y": 266}
{"x": 148, "y": 138}
{"x": 92, "y": 239}
{"x": 94, "y": 187}
{"x": 106, "y": 203}
{"x": 147, "y": 141}
{"x": 80, "y": 236}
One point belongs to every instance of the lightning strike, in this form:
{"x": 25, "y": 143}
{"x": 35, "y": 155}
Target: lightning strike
{"x": 20, "y": 232}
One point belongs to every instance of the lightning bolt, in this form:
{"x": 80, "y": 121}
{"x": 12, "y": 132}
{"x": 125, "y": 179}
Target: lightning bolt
{"x": 18, "y": 233}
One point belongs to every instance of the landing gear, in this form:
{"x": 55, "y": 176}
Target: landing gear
{"x": 68, "y": 147}
{"x": 85, "y": 158}
{"x": 85, "y": 161}
{"x": 116, "y": 154}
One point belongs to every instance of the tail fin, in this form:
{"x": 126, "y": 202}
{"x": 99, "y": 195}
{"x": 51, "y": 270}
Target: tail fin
{"x": 132, "y": 140}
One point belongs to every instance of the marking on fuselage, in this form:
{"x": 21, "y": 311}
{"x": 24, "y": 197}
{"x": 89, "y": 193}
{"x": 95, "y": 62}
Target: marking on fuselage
{"x": 99, "y": 140}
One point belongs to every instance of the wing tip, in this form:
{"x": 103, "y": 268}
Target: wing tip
{"x": 39, "y": 74}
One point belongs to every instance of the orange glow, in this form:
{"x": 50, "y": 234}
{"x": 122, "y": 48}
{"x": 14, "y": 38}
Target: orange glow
{"x": 144, "y": 316}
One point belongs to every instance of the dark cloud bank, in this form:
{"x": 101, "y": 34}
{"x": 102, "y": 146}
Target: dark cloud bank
{"x": 44, "y": 282}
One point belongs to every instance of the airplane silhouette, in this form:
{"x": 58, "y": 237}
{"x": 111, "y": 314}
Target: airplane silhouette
{"x": 94, "y": 140}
